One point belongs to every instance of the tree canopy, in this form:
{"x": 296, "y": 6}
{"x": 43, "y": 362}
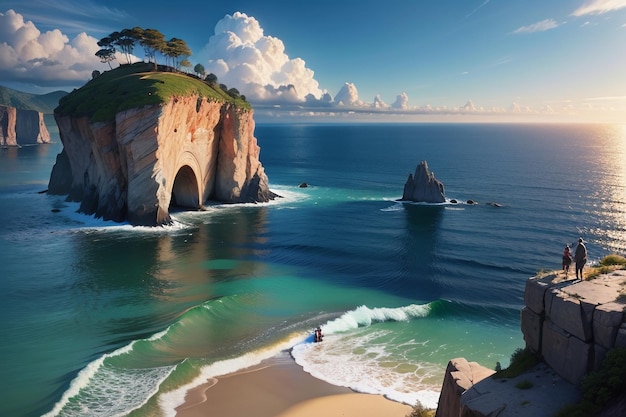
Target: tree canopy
{"x": 151, "y": 40}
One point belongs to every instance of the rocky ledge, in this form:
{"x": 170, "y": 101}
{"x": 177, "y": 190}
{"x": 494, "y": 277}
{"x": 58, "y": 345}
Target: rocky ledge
{"x": 570, "y": 324}
{"x": 184, "y": 152}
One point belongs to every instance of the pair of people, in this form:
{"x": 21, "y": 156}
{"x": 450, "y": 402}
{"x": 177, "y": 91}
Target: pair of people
{"x": 580, "y": 258}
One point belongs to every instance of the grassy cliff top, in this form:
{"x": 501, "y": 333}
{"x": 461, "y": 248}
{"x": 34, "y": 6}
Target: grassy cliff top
{"x": 136, "y": 85}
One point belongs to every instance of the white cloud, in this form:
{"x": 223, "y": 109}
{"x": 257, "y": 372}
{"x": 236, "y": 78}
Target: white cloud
{"x": 469, "y": 106}
{"x": 599, "y": 7}
{"x": 241, "y": 56}
{"x": 49, "y": 58}
{"x": 348, "y": 96}
{"x": 542, "y": 26}
{"x": 402, "y": 102}
{"x": 379, "y": 103}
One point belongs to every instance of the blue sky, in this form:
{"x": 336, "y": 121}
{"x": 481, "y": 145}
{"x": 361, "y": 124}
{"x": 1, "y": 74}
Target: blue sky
{"x": 499, "y": 59}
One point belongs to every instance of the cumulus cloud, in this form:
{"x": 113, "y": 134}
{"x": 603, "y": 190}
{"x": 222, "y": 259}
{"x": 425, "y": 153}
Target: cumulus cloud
{"x": 402, "y": 102}
{"x": 348, "y": 96}
{"x": 50, "y": 58}
{"x": 599, "y": 7}
{"x": 469, "y": 106}
{"x": 542, "y": 26}
{"x": 243, "y": 57}
{"x": 379, "y": 103}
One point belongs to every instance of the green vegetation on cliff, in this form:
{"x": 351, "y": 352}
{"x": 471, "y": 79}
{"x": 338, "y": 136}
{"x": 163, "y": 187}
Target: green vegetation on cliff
{"x": 137, "y": 85}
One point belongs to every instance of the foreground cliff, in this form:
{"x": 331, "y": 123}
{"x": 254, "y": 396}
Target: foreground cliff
{"x": 183, "y": 150}
{"x": 570, "y": 325}
{"x": 22, "y": 127}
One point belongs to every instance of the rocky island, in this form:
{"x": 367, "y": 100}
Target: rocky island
{"x": 423, "y": 186}
{"x": 137, "y": 141}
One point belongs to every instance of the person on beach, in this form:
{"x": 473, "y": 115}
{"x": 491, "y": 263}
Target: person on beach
{"x": 580, "y": 257}
{"x": 318, "y": 335}
{"x": 567, "y": 259}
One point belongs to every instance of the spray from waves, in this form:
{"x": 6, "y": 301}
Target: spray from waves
{"x": 372, "y": 359}
{"x": 365, "y": 316}
{"x": 117, "y": 391}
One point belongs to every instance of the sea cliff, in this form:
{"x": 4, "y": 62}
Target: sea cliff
{"x": 184, "y": 151}
{"x": 22, "y": 127}
{"x": 570, "y": 325}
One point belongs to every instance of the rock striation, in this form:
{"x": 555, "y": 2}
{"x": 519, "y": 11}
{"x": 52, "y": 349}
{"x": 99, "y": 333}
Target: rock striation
{"x": 423, "y": 186}
{"x": 22, "y": 127}
{"x": 185, "y": 152}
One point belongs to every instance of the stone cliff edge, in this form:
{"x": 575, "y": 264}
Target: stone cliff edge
{"x": 570, "y": 324}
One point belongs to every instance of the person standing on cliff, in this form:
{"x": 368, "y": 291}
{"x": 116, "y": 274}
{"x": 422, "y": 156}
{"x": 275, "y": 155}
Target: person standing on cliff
{"x": 580, "y": 257}
{"x": 567, "y": 259}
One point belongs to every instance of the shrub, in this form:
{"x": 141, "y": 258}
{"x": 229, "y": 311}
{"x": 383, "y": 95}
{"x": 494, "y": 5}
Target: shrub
{"x": 601, "y": 386}
{"x": 420, "y": 411}
{"x": 521, "y": 361}
{"x": 613, "y": 260}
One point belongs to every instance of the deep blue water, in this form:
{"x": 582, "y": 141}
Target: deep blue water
{"x": 102, "y": 319}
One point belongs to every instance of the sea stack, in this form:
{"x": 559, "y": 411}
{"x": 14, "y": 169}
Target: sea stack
{"x": 423, "y": 186}
{"x": 22, "y": 127}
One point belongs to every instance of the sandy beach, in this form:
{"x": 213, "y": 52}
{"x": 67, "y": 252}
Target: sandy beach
{"x": 280, "y": 388}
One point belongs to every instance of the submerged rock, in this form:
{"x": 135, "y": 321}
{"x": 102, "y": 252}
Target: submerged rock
{"x": 423, "y": 186}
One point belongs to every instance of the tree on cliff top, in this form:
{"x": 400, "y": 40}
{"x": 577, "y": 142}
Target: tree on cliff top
{"x": 152, "y": 41}
{"x": 176, "y": 49}
{"x": 199, "y": 69}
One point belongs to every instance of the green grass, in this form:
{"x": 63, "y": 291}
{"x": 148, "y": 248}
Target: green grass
{"x": 136, "y": 85}
{"x": 521, "y": 361}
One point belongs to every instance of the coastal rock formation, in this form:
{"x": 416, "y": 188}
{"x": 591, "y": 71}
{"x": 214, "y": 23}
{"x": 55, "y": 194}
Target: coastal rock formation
{"x": 22, "y": 127}
{"x": 570, "y": 324}
{"x": 184, "y": 152}
{"x": 573, "y": 324}
{"x": 423, "y": 186}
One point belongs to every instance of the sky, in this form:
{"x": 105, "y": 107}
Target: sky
{"x": 403, "y": 60}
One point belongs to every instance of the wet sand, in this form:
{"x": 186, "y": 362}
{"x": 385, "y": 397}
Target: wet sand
{"x": 280, "y": 388}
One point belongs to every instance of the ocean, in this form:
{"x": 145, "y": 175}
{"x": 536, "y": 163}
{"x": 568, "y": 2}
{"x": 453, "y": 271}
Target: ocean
{"x": 105, "y": 319}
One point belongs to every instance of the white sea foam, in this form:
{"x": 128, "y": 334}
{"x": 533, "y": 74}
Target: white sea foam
{"x": 117, "y": 392}
{"x": 356, "y": 359}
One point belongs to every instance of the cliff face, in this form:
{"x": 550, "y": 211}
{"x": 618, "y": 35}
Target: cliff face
{"x": 184, "y": 152}
{"x": 573, "y": 324}
{"x": 22, "y": 127}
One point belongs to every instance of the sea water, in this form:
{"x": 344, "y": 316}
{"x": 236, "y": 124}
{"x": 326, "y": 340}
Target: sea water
{"x": 105, "y": 319}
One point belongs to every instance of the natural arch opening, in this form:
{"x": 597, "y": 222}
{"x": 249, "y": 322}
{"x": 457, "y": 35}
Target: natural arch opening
{"x": 185, "y": 189}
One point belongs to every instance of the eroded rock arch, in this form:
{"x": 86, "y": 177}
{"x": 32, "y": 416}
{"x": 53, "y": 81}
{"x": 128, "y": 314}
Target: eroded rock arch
{"x": 185, "y": 190}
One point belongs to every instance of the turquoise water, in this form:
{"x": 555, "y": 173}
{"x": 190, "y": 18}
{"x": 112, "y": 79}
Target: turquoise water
{"x": 101, "y": 319}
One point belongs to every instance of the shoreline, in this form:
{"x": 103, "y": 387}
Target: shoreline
{"x": 279, "y": 387}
